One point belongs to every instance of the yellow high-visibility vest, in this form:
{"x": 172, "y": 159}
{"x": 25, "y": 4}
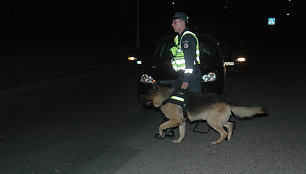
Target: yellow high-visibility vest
{"x": 178, "y": 61}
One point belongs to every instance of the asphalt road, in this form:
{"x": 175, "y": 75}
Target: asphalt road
{"x": 96, "y": 125}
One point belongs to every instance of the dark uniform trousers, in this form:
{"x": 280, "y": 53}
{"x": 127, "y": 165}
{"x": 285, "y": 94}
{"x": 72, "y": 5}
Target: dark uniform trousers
{"x": 194, "y": 85}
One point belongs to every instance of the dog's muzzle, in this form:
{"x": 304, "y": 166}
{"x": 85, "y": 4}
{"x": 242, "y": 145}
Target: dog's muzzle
{"x": 147, "y": 102}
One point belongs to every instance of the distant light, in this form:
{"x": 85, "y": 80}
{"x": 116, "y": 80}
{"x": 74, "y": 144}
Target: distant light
{"x": 288, "y": 14}
{"x": 225, "y": 7}
{"x": 173, "y": 3}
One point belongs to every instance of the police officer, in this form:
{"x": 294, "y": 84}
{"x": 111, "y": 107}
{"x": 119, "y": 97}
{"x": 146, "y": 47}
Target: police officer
{"x": 186, "y": 55}
{"x": 186, "y": 59}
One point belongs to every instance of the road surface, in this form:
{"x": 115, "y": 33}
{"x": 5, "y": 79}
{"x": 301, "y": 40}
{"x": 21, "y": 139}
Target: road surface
{"x": 96, "y": 125}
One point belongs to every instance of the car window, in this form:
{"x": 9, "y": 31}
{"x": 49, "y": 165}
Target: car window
{"x": 162, "y": 52}
{"x": 156, "y": 54}
{"x": 207, "y": 48}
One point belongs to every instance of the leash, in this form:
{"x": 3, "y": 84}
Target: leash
{"x": 195, "y": 131}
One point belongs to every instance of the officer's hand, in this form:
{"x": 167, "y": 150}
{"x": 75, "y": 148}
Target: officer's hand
{"x": 184, "y": 85}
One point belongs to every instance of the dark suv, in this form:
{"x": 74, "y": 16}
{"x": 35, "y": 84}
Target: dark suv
{"x": 159, "y": 69}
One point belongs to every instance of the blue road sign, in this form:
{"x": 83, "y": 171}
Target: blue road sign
{"x": 271, "y": 21}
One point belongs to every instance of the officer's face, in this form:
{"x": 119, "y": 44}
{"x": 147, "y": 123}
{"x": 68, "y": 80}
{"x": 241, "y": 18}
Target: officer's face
{"x": 177, "y": 25}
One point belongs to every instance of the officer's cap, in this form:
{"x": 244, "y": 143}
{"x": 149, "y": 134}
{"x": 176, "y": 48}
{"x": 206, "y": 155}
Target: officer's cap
{"x": 181, "y": 15}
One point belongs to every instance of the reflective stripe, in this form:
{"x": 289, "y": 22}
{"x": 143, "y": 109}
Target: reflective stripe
{"x": 189, "y": 32}
{"x": 180, "y": 61}
{"x": 176, "y": 40}
{"x": 188, "y": 71}
{"x": 177, "y": 98}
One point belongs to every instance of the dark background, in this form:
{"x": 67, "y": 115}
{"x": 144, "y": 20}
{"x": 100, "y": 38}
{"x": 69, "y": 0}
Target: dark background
{"x": 50, "y": 39}
{"x": 93, "y": 19}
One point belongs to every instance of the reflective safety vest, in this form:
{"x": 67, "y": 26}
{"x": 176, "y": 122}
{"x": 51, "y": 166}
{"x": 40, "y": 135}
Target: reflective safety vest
{"x": 178, "y": 61}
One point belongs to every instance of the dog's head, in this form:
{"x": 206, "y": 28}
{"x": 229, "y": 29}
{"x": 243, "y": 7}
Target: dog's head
{"x": 155, "y": 96}
{"x": 152, "y": 91}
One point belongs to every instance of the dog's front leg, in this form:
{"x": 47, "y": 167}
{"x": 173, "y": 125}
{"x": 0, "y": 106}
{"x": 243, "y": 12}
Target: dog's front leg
{"x": 161, "y": 132}
{"x": 182, "y": 129}
{"x": 166, "y": 125}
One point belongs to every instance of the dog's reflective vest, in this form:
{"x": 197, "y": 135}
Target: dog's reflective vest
{"x": 178, "y": 61}
{"x": 179, "y": 97}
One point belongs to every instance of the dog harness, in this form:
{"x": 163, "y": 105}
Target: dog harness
{"x": 179, "y": 97}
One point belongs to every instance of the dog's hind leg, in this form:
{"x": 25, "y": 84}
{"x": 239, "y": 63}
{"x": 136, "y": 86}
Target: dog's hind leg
{"x": 222, "y": 132}
{"x": 229, "y": 126}
{"x": 166, "y": 125}
{"x": 182, "y": 129}
{"x": 217, "y": 125}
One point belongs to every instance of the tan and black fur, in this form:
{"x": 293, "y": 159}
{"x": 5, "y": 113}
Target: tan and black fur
{"x": 213, "y": 108}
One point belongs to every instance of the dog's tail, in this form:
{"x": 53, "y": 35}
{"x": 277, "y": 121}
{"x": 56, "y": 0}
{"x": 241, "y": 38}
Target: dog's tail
{"x": 247, "y": 112}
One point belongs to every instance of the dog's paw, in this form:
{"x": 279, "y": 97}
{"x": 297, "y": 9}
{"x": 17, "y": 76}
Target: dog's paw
{"x": 215, "y": 142}
{"x": 177, "y": 141}
{"x": 162, "y": 135}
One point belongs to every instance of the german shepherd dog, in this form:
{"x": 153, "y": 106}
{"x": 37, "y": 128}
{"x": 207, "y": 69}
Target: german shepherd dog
{"x": 213, "y": 108}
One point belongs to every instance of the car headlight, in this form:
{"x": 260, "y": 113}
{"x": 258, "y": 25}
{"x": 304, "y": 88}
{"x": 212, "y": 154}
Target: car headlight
{"x": 132, "y": 58}
{"x": 145, "y": 78}
{"x": 209, "y": 77}
{"x": 241, "y": 59}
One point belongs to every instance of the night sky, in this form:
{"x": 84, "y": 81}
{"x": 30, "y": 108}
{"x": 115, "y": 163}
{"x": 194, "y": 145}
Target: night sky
{"x": 118, "y": 18}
